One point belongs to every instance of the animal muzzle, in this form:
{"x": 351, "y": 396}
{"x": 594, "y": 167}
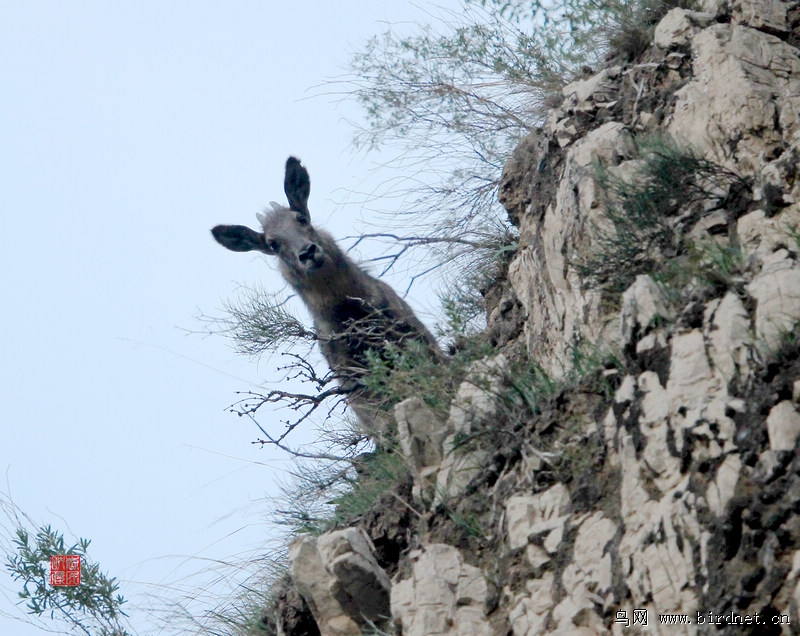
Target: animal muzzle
{"x": 310, "y": 256}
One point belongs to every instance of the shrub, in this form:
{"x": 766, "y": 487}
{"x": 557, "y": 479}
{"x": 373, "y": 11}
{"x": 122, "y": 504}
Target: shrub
{"x": 648, "y": 212}
{"x": 93, "y": 608}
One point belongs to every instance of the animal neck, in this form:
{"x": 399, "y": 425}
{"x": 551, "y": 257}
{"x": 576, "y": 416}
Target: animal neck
{"x": 327, "y": 294}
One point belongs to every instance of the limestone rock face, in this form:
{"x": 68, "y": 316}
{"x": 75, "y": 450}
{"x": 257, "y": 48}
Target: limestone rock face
{"x": 542, "y": 273}
{"x": 340, "y": 580}
{"x": 776, "y": 290}
{"x": 679, "y": 26}
{"x": 543, "y": 513}
{"x": 474, "y": 407}
{"x": 745, "y": 87}
{"x": 643, "y": 303}
{"x": 564, "y": 494}
{"x": 421, "y": 439}
{"x": 783, "y": 426}
{"x": 443, "y": 595}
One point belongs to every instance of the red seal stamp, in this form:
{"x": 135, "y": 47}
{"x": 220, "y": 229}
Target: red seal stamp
{"x": 65, "y": 570}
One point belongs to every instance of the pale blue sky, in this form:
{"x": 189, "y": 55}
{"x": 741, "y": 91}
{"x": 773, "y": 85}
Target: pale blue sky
{"x": 128, "y": 130}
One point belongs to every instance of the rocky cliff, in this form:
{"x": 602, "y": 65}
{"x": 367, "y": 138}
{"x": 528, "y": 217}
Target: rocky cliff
{"x": 626, "y": 460}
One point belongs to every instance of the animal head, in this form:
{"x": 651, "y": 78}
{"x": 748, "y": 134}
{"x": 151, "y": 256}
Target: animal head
{"x": 307, "y": 256}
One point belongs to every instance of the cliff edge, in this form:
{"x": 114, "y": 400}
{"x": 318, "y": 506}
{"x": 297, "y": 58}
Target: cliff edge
{"x": 626, "y": 461}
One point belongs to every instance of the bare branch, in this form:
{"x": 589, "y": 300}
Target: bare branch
{"x": 278, "y": 443}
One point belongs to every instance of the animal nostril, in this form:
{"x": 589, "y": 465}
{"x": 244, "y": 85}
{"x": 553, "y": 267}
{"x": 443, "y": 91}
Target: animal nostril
{"x": 307, "y": 252}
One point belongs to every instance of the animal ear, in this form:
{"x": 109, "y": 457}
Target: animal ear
{"x": 297, "y": 186}
{"x": 239, "y": 238}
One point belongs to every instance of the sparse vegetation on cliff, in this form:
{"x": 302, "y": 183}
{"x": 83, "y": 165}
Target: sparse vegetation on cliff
{"x": 649, "y": 210}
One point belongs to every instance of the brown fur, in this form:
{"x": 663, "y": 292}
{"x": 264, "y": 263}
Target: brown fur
{"x": 352, "y": 311}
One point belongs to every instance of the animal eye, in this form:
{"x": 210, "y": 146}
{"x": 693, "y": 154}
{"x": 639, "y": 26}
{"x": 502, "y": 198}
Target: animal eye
{"x": 274, "y": 246}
